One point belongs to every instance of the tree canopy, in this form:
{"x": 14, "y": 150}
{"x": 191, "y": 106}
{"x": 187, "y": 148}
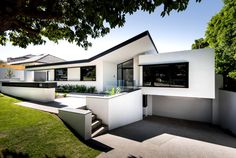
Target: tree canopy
{"x": 24, "y": 22}
{"x": 200, "y": 43}
{"x": 221, "y": 35}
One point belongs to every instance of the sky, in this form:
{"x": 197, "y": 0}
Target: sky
{"x": 175, "y": 32}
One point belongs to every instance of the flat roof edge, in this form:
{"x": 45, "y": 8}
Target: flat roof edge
{"x": 139, "y": 36}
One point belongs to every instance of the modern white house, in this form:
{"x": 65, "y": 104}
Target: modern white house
{"x": 176, "y": 84}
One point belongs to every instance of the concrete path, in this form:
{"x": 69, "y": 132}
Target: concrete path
{"x": 169, "y": 138}
{"x": 52, "y": 107}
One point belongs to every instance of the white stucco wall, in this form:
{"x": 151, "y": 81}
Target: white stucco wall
{"x": 100, "y": 107}
{"x": 35, "y": 94}
{"x": 117, "y": 111}
{"x": 215, "y": 102}
{"x": 29, "y": 76}
{"x": 196, "y": 109}
{"x": 201, "y": 73}
{"x": 125, "y": 109}
{"x": 109, "y": 75}
{"x": 136, "y": 71}
{"x": 51, "y": 75}
{"x": 227, "y": 110}
{"x": 80, "y": 120}
{"x": 73, "y": 74}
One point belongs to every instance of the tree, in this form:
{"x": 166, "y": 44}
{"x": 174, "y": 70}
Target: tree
{"x": 24, "y": 22}
{"x": 200, "y": 43}
{"x": 2, "y": 62}
{"x": 221, "y": 35}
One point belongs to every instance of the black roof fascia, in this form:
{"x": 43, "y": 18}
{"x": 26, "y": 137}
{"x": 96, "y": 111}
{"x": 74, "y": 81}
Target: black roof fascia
{"x": 101, "y": 54}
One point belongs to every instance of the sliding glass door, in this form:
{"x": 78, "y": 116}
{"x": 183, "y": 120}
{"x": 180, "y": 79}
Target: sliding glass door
{"x": 125, "y": 74}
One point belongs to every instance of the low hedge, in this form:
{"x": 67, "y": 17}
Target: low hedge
{"x": 76, "y": 88}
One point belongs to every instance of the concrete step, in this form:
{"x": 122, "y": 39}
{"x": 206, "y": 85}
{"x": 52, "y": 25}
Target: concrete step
{"x": 96, "y": 123}
{"x": 93, "y": 117}
{"x": 99, "y": 131}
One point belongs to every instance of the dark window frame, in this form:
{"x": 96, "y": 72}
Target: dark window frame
{"x": 120, "y": 66}
{"x": 58, "y": 79}
{"x": 169, "y": 75}
{"x": 85, "y": 67}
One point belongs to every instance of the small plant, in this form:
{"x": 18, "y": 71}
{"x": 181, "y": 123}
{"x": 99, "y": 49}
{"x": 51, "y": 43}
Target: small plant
{"x": 114, "y": 91}
{"x": 64, "y": 95}
{"x": 9, "y": 73}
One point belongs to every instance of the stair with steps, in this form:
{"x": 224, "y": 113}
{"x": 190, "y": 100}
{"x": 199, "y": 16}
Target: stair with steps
{"x": 97, "y": 127}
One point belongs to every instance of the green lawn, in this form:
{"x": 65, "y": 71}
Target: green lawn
{"x": 26, "y": 132}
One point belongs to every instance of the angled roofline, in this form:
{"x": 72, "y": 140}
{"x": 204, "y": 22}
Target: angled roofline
{"x": 141, "y": 35}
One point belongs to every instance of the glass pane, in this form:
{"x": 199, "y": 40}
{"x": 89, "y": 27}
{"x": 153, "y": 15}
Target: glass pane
{"x": 161, "y": 75}
{"x": 128, "y": 64}
{"x": 179, "y": 75}
{"x": 147, "y": 76}
{"x": 125, "y": 73}
{"x": 166, "y": 75}
{"x": 61, "y": 74}
{"x": 88, "y": 73}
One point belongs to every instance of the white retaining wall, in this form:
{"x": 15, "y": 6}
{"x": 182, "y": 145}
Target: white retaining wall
{"x": 35, "y": 94}
{"x": 79, "y": 120}
{"x": 227, "y": 110}
{"x": 118, "y": 110}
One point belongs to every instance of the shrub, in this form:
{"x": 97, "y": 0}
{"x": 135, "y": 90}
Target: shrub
{"x": 76, "y": 88}
{"x": 91, "y": 89}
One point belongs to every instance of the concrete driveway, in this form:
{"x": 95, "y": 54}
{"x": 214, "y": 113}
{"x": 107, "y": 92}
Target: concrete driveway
{"x": 169, "y": 138}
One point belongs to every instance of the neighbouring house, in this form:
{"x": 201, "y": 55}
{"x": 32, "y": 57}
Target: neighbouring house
{"x": 176, "y": 84}
{"x": 17, "y": 65}
{"x": 31, "y": 59}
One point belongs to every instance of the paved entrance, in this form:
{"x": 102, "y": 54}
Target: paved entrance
{"x": 52, "y": 107}
{"x": 165, "y": 137}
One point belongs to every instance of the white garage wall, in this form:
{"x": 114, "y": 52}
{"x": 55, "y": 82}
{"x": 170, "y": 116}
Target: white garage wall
{"x": 201, "y": 73}
{"x": 196, "y": 109}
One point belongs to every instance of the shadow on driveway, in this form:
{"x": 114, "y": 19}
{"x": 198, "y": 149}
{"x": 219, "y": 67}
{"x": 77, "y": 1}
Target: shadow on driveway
{"x": 155, "y": 126}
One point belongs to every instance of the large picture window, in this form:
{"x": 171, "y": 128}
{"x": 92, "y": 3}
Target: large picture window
{"x": 88, "y": 73}
{"x": 61, "y": 74}
{"x": 166, "y": 75}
